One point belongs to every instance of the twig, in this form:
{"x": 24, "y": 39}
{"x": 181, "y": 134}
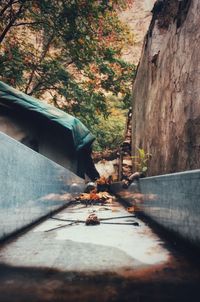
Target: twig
{"x": 59, "y": 227}
{"x": 83, "y": 221}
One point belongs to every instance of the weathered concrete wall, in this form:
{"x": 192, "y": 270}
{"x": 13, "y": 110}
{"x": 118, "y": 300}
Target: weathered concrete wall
{"x": 166, "y": 105}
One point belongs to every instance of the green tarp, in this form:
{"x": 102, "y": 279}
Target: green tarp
{"x": 81, "y": 135}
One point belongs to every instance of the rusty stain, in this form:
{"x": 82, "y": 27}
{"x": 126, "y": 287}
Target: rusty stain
{"x": 147, "y": 284}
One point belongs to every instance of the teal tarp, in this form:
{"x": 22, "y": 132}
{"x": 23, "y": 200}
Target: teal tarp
{"x": 81, "y": 135}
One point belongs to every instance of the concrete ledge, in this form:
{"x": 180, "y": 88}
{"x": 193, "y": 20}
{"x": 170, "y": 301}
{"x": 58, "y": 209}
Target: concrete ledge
{"x": 173, "y": 201}
{"x": 32, "y": 186}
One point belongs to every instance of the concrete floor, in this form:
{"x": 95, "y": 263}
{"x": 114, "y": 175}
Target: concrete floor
{"x": 121, "y": 259}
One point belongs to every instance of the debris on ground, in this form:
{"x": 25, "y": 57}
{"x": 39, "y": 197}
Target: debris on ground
{"x": 131, "y": 209}
{"x": 90, "y": 186}
{"x": 92, "y": 219}
{"x": 130, "y": 179}
{"x": 94, "y": 198}
{"x": 94, "y": 193}
{"x": 103, "y": 183}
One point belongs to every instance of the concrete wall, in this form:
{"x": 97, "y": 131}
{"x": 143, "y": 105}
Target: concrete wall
{"x": 32, "y": 186}
{"x": 166, "y": 104}
{"x": 39, "y": 135}
{"x": 171, "y": 200}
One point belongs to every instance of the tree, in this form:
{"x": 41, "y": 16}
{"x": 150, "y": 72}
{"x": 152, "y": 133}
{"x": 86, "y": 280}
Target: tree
{"x": 67, "y": 52}
{"x": 110, "y": 131}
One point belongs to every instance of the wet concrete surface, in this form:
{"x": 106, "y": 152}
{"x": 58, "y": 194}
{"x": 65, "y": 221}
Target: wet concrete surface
{"x": 121, "y": 259}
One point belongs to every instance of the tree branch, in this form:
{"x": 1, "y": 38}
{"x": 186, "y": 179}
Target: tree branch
{"x": 67, "y": 64}
{"x": 36, "y": 66}
{"x": 44, "y": 88}
{"x": 40, "y": 83}
{"x": 35, "y": 88}
{"x": 27, "y": 23}
{"x": 10, "y": 24}
{"x": 4, "y": 9}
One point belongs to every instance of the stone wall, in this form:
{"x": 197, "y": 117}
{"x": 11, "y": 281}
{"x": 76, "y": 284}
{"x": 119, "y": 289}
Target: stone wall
{"x": 166, "y": 105}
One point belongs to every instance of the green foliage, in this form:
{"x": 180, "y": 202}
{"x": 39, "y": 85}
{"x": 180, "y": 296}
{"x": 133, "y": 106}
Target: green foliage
{"x": 141, "y": 160}
{"x": 109, "y": 131}
{"x": 13, "y": 72}
{"x": 68, "y": 53}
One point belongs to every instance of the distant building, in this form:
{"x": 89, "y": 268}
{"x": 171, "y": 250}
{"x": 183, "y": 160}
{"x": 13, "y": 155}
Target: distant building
{"x": 47, "y": 130}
